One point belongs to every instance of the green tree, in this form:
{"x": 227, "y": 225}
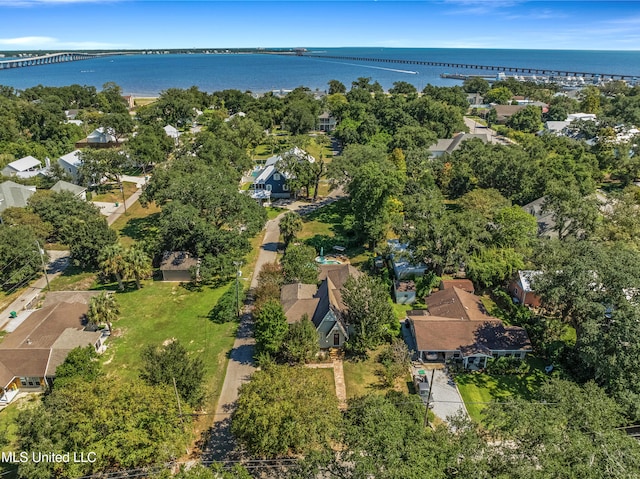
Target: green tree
{"x": 20, "y": 259}
{"x": 290, "y": 225}
{"x": 529, "y": 119}
{"x": 270, "y": 280}
{"x": 271, "y": 328}
{"x": 161, "y": 365}
{"x": 301, "y": 343}
{"x": 113, "y": 261}
{"x": 103, "y": 309}
{"x": 476, "y": 85}
{"x": 402, "y": 88}
{"x": 14, "y": 216}
{"x": 80, "y": 363}
{"x": 368, "y": 312}
{"x": 493, "y": 266}
{"x": 499, "y": 95}
{"x": 336, "y": 86}
{"x": 273, "y": 406}
{"x": 590, "y": 99}
{"x": 138, "y": 264}
{"x": 101, "y": 163}
{"x": 118, "y": 124}
{"x": 573, "y": 214}
{"x": 87, "y": 238}
{"x": 372, "y": 191}
{"x": 298, "y": 264}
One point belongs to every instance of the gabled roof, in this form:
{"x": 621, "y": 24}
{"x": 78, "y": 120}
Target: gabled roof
{"x": 295, "y": 151}
{"x": 99, "y": 135}
{"x": 265, "y": 175}
{"x": 73, "y": 158}
{"x": 22, "y": 362}
{"x": 14, "y": 195}
{"x": 24, "y": 164}
{"x": 66, "y": 186}
{"x": 456, "y": 303}
{"x": 171, "y": 131}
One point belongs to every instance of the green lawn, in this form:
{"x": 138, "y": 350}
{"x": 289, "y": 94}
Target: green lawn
{"x": 74, "y": 279}
{"x": 163, "y": 311}
{"x": 138, "y": 224}
{"x": 273, "y": 211}
{"x": 483, "y": 388}
{"x": 361, "y": 377}
{"x": 8, "y": 424}
{"x": 325, "y": 373}
{"x": 112, "y": 193}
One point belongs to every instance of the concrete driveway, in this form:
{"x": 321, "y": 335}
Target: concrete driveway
{"x": 446, "y": 397}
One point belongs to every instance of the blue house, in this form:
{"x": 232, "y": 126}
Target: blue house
{"x": 270, "y": 183}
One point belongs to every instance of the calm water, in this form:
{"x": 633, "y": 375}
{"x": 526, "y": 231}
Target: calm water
{"x": 148, "y": 75}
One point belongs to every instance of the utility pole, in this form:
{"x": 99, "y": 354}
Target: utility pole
{"x": 44, "y": 266}
{"x": 238, "y": 264}
{"x": 426, "y": 416}
{"x": 124, "y": 201}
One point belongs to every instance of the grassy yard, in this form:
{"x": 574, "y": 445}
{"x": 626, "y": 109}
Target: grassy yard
{"x": 8, "y": 424}
{"x": 326, "y": 374}
{"x": 138, "y": 225}
{"x": 274, "y": 211}
{"x": 483, "y": 388}
{"x": 112, "y": 194}
{"x": 361, "y": 377}
{"x": 74, "y": 279}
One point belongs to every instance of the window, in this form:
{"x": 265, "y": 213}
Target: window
{"x": 276, "y": 176}
{"x": 269, "y": 187}
{"x": 456, "y": 355}
{"x": 285, "y": 187}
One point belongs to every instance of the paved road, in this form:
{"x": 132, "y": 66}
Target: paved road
{"x": 241, "y": 365}
{"x": 58, "y": 261}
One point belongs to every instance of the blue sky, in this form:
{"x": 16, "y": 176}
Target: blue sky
{"x": 139, "y": 24}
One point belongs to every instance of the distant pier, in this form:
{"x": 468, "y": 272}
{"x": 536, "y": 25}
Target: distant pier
{"x": 495, "y": 68}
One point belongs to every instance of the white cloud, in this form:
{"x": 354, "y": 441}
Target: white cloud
{"x": 26, "y": 41}
{"x": 50, "y": 43}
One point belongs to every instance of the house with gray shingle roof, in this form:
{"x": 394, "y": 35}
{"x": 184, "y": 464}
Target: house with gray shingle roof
{"x": 322, "y": 304}
{"x": 14, "y": 195}
{"x": 79, "y": 191}
{"x": 450, "y": 145}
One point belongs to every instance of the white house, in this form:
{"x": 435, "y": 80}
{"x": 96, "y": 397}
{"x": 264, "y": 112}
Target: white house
{"x": 70, "y": 163}
{"x": 295, "y": 151}
{"x": 100, "y": 136}
{"x": 172, "y": 132}
{"x": 23, "y": 168}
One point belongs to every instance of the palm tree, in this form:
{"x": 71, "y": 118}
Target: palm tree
{"x": 113, "y": 262}
{"x": 103, "y": 309}
{"x": 290, "y": 225}
{"x": 138, "y": 264}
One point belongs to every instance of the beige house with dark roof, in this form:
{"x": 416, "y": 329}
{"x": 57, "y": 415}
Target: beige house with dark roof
{"x": 31, "y": 353}
{"x": 178, "y": 266}
{"x": 457, "y": 327}
{"x": 322, "y": 304}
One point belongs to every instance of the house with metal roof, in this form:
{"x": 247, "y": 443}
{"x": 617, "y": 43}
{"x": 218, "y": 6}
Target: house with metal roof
{"x": 71, "y": 163}
{"x": 23, "y": 168}
{"x": 450, "y": 145}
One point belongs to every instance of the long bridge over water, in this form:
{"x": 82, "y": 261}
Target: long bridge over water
{"x": 496, "y": 68}
{"x": 53, "y": 58}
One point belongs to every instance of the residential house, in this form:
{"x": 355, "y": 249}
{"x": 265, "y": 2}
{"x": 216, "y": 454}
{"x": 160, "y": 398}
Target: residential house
{"x": 521, "y": 289}
{"x": 546, "y": 223}
{"x": 271, "y": 182}
{"x": 79, "y": 191}
{"x": 31, "y": 353}
{"x": 98, "y": 138}
{"x": 322, "y": 304}
{"x": 130, "y": 101}
{"x": 14, "y": 195}
{"x": 402, "y": 262}
{"x": 457, "y": 327}
{"x": 404, "y": 292}
{"x": 71, "y": 163}
{"x": 71, "y": 114}
{"x": 556, "y": 127}
{"x": 504, "y": 112}
{"x": 172, "y": 132}
{"x": 26, "y": 167}
{"x": 463, "y": 284}
{"x": 179, "y": 266}
{"x": 448, "y": 146}
{"x": 326, "y": 122}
